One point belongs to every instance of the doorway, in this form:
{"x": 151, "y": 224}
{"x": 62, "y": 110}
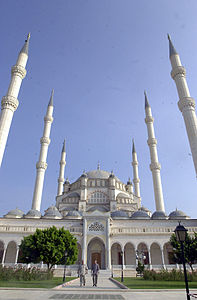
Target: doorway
{"x": 96, "y": 256}
{"x": 96, "y": 251}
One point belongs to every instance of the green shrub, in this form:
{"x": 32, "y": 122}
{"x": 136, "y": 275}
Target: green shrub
{"x": 23, "y": 273}
{"x": 140, "y": 267}
{"x": 165, "y": 275}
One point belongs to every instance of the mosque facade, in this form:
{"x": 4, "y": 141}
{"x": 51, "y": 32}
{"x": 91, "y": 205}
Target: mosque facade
{"x": 102, "y": 212}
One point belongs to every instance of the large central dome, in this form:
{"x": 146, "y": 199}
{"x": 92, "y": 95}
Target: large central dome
{"x": 99, "y": 174}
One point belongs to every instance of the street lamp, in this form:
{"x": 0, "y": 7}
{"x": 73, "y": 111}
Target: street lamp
{"x": 112, "y": 271}
{"x": 64, "y": 277}
{"x": 181, "y": 233}
{"x": 122, "y": 277}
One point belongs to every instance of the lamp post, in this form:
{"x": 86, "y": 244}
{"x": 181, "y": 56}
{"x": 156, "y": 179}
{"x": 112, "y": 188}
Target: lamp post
{"x": 64, "y": 277}
{"x": 112, "y": 271}
{"x": 122, "y": 277}
{"x": 181, "y": 232}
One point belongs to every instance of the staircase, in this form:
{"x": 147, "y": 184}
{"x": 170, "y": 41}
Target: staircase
{"x": 104, "y": 273}
{"x": 58, "y": 272}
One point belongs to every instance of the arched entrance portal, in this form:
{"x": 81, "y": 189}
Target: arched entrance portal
{"x": 96, "y": 250}
{"x": 79, "y": 260}
{"x": 1, "y": 251}
{"x": 11, "y": 251}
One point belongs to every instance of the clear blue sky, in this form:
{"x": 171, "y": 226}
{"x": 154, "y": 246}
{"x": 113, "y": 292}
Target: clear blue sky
{"x": 99, "y": 56}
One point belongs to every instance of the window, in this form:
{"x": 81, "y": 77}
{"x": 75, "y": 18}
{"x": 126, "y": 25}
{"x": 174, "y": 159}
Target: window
{"x": 97, "y": 197}
{"x": 96, "y": 226}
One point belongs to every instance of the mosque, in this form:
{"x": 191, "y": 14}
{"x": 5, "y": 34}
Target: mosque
{"x": 102, "y": 212}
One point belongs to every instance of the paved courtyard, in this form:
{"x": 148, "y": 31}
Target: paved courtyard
{"x": 105, "y": 290}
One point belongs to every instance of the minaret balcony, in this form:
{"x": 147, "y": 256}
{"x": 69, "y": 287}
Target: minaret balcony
{"x": 186, "y": 102}
{"x": 19, "y": 71}
{"x": 9, "y": 102}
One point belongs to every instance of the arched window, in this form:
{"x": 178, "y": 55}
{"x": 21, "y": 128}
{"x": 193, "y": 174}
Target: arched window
{"x": 97, "y": 197}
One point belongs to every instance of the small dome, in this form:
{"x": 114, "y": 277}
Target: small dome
{"x": 33, "y": 213}
{"x": 129, "y": 182}
{"x": 140, "y": 215}
{"x": 69, "y": 208}
{"x": 84, "y": 175}
{"x": 73, "y": 195}
{"x": 119, "y": 214}
{"x": 66, "y": 181}
{"x": 73, "y": 213}
{"x": 99, "y": 208}
{"x": 142, "y": 208}
{"x": 177, "y": 214}
{"x": 112, "y": 175}
{"x": 52, "y": 213}
{"x": 159, "y": 215}
{"x": 14, "y": 213}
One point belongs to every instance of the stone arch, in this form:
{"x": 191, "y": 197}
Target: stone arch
{"x": 130, "y": 255}
{"x": 116, "y": 258}
{"x": 20, "y": 253}
{"x": 11, "y": 252}
{"x": 155, "y": 252}
{"x": 79, "y": 258}
{"x": 143, "y": 249}
{"x": 2, "y": 247}
{"x": 168, "y": 254}
{"x": 96, "y": 251}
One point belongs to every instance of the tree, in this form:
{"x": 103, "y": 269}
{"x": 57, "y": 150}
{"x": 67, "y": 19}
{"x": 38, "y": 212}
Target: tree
{"x": 49, "y": 245}
{"x": 190, "y": 249}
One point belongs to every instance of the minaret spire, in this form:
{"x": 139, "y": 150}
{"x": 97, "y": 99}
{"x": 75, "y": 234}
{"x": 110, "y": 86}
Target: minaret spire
{"x": 172, "y": 50}
{"x": 146, "y": 100}
{"x": 136, "y": 179}
{"x": 51, "y": 98}
{"x": 25, "y": 48}
{"x": 62, "y": 169}
{"x": 155, "y": 165}
{"x": 10, "y": 102}
{"x": 186, "y": 104}
{"x": 41, "y": 164}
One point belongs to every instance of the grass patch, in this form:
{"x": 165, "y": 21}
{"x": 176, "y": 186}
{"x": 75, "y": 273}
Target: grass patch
{"x": 47, "y": 284}
{"x": 140, "y": 283}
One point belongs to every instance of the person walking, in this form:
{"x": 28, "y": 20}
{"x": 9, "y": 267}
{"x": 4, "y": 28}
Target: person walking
{"x": 95, "y": 271}
{"x": 82, "y": 271}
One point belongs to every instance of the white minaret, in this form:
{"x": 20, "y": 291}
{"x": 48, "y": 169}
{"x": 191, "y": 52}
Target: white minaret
{"x": 136, "y": 179}
{"x": 155, "y": 165}
{"x": 62, "y": 169}
{"x": 186, "y": 104}
{"x": 10, "y": 102}
{"x": 41, "y": 164}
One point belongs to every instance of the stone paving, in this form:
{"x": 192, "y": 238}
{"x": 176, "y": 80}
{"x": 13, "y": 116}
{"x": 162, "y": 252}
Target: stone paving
{"x": 105, "y": 290}
{"x": 103, "y": 284}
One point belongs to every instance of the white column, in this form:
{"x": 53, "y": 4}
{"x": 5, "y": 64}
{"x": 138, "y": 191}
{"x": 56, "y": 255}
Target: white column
{"x": 84, "y": 248}
{"x": 61, "y": 172}
{"x": 186, "y": 104}
{"x": 17, "y": 251}
{"x": 108, "y": 250}
{"x": 41, "y": 164}
{"x": 149, "y": 257}
{"x": 10, "y": 102}
{"x": 136, "y": 179}
{"x": 162, "y": 258}
{"x": 155, "y": 165}
{"x": 123, "y": 258}
{"x": 3, "y": 258}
